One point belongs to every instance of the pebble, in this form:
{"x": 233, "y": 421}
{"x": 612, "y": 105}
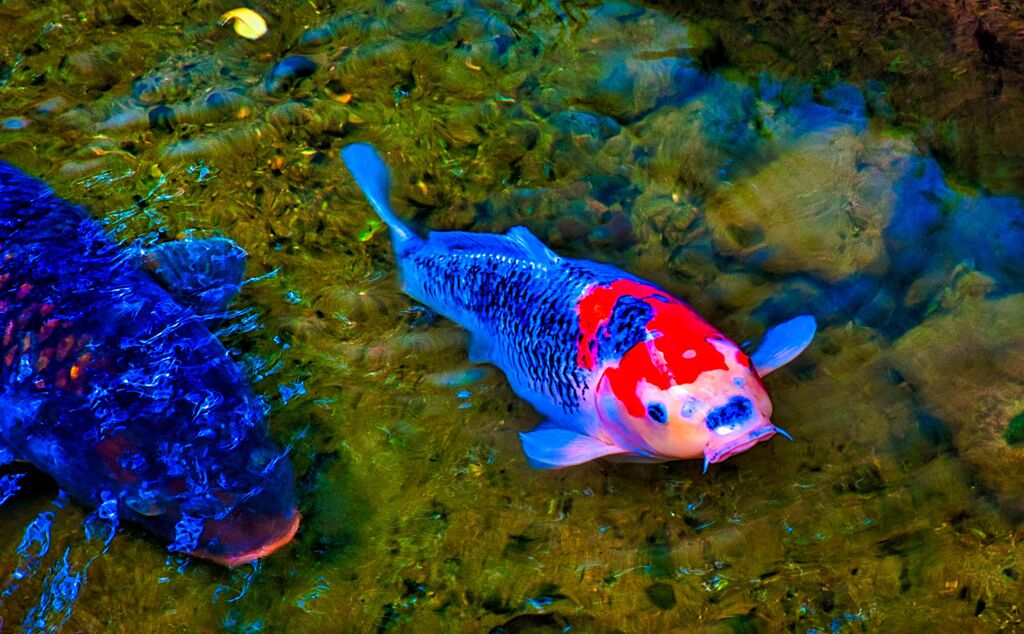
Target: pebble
{"x": 287, "y": 73}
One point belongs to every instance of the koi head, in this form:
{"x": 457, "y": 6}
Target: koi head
{"x": 226, "y": 496}
{"x": 183, "y": 447}
{"x": 678, "y": 388}
{"x": 721, "y": 411}
{"x": 222, "y": 523}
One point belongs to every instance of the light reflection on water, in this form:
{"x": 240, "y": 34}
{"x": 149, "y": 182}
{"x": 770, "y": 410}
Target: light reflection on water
{"x": 754, "y": 197}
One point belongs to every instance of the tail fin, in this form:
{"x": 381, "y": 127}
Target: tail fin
{"x": 374, "y": 178}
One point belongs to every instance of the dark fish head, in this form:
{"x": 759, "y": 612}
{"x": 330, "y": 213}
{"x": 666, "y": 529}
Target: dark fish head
{"x": 246, "y": 535}
{"x": 249, "y": 515}
{"x": 213, "y": 484}
{"x": 180, "y": 440}
{"x": 263, "y": 516}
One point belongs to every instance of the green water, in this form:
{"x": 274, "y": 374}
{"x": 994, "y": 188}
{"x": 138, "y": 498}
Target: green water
{"x": 896, "y": 508}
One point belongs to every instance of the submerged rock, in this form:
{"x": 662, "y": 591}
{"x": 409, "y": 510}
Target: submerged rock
{"x": 936, "y": 228}
{"x": 15, "y": 123}
{"x": 583, "y": 123}
{"x": 660, "y": 215}
{"x": 632, "y": 62}
{"x": 698, "y": 143}
{"x": 820, "y": 208}
{"x": 101, "y": 66}
{"x": 968, "y": 368}
{"x": 661, "y": 595}
{"x": 288, "y": 72}
{"x": 540, "y": 623}
{"x": 789, "y": 109}
{"x": 627, "y": 88}
{"x": 225, "y": 142}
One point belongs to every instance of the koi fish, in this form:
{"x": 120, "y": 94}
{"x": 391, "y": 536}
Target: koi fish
{"x": 113, "y": 385}
{"x": 618, "y": 367}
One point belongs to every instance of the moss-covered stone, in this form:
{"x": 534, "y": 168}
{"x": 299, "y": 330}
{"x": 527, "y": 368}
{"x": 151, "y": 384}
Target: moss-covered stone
{"x": 968, "y": 367}
{"x": 820, "y": 208}
{"x": 1014, "y": 434}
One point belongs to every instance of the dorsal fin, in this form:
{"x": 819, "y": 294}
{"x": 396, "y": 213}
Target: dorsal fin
{"x": 518, "y": 243}
{"x": 532, "y": 245}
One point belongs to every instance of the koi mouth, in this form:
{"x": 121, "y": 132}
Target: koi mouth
{"x": 244, "y": 539}
{"x": 742, "y": 443}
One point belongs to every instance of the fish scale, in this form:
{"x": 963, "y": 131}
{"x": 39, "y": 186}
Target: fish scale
{"x": 41, "y": 348}
{"x": 526, "y": 311}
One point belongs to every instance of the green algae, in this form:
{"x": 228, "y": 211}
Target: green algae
{"x": 1014, "y": 433}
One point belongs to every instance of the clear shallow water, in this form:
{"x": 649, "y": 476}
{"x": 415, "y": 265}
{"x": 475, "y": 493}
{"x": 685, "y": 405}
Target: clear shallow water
{"x": 755, "y": 196}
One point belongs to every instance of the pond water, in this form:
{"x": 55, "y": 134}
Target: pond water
{"x": 609, "y": 130}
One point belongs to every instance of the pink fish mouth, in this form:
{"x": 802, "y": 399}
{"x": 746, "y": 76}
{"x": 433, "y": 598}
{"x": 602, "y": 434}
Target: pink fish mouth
{"x": 741, "y": 444}
{"x": 244, "y": 538}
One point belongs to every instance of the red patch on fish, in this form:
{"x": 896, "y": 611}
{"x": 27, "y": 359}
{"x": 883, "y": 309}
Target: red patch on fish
{"x": 677, "y": 355}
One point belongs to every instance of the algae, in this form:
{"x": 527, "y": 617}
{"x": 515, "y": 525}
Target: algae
{"x": 1014, "y": 433}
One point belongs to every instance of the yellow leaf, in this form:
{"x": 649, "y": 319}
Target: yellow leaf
{"x": 248, "y": 23}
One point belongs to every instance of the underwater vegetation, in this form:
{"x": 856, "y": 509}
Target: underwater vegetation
{"x": 614, "y": 133}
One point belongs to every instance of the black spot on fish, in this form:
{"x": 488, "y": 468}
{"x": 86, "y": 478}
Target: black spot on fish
{"x": 626, "y": 327}
{"x": 528, "y": 312}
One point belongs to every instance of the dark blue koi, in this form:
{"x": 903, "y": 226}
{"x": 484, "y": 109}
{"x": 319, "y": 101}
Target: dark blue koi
{"x": 115, "y": 387}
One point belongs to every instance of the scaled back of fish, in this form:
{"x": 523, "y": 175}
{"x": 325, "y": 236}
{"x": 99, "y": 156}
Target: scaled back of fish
{"x": 116, "y": 388}
{"x": 617, "y": 366}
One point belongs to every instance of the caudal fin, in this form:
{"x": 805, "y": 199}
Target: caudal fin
{"x": 374, "y": 178}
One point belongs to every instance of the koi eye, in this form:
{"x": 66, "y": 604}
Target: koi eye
{"x": 657, "y": 413}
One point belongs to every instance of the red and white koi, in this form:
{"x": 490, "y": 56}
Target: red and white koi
{"x": 618, "y": 367}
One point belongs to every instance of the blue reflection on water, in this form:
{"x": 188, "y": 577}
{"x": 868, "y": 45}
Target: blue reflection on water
{"x": 246, "y": 575}
{"x": 66, "y": 576}
{"x": 34, "y": 545}
{"x": 60, "y": 589}
{"x": 9, "y": 486}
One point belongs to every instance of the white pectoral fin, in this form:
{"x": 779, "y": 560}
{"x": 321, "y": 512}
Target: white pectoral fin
{"x": 783, "y": 343}
{"x": 549, "y": 446}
